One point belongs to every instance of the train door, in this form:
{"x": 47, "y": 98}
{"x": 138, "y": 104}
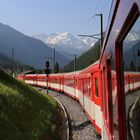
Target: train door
{"x": 82, "y": 91}
{"x": 59, "y": 83}
{"x": 76, "y": 87}
{"x": 96, "y": 101}
{"x": 89, "y": 88}
{"x": 93, "y": 97}
{"x": 127, "y": 61}
{"x": 62, "y": 83}
{"x": 87, "y": 97}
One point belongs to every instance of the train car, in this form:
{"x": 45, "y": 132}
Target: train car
{"x": 120, "y": 69}
{"x": 41, "y": 80}
{"x": 53, "y": 81}
{"x": 90, "y": 94}
{"x": 56, "y": 82}
{"x": 71, "y": 84}
{"x": 20, "y": 77}
{"x": 30, "y": 79}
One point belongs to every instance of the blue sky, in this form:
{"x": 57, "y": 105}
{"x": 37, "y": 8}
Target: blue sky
{"x": 48, "y": 16}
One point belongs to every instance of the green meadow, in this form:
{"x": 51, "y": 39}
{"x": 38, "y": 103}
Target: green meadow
{"x": 25, "y": 113}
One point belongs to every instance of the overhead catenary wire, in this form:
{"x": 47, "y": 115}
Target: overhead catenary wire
{"x": 91, "y": 17}
{"x": 93, "y": 20}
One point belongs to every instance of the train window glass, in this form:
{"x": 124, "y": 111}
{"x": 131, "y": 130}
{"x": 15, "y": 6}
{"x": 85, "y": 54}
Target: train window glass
{"x": 96, "y": 87}
{"x": 89, "y": 87}
{"x": 83, "y": 86}
{"x": 131, "y": 59}
{"x": 69, "y": 82}
{"x": 114, "y": 98}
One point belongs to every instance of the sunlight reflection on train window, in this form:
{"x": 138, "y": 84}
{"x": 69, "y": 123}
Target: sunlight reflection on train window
{"x": 131, "y": 58}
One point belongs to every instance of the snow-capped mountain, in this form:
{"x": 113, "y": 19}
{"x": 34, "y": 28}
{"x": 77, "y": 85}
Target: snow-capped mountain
{"x": 66, "y": 43}
{"x": 27, "y": 50}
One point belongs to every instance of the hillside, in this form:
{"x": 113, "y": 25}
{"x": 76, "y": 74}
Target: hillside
{"x": 25, "y": 113}
{"x": 6, "y": 64}
{"x": 85, "y": 59}
{"x": 5, "y": 60}
{"x": 27, "y": 50}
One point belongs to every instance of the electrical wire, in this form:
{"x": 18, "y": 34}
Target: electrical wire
{"x": 93, "y": 21}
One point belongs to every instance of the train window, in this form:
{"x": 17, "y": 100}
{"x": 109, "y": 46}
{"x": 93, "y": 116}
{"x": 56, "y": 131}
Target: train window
{"x": 83, "y": 86}
{"x": 89, "y": 87}
{"x": 76, "y": 82}
{"x": 131, "y": 59}
{"x": 96, "y": 87}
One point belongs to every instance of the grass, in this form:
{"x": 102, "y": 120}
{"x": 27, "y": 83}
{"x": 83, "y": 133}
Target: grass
{"x": 26, "y": 113}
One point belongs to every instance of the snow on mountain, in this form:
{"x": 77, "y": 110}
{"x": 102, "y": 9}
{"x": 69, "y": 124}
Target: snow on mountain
{"x": 66, "y": 43}
{"x": 89, "y": 41}
{"x": 41, "y": 36}
{"x": 131, "y": 40}
{"x": 133, "y": 36}
{"x": 60, "y": 38}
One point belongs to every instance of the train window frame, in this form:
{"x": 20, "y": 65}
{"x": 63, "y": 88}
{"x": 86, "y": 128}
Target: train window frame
{"x": 128, "y": 24}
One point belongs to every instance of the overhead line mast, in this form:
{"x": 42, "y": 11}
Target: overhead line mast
{"x": 101, "y": 31}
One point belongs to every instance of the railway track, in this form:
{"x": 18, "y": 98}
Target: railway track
{"x": 130, "y": 99}
{"x": 80, "y": 126}
{"x": 133, "y": 112}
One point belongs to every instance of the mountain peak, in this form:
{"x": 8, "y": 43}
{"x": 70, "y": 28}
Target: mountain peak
{"x": 60, "y": 38}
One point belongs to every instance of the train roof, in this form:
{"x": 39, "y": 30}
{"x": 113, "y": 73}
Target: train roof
{"x": 28, "y": 72}
{"x": 65, "y": 73}
{"x": 97, "y": 62}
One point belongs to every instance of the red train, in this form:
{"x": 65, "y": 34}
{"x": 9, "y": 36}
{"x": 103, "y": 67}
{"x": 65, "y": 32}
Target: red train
{"x": 103, "y": 87}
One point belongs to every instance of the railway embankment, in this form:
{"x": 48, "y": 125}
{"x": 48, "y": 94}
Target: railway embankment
{"x": 80, "y": 127}
{"x": 25, "y": 113}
